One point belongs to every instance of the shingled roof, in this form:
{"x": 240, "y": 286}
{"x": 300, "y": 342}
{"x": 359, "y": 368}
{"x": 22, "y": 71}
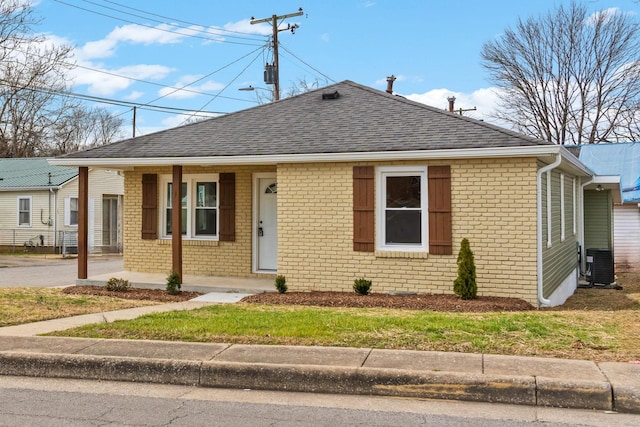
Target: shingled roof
{"x": 349, "y": 118}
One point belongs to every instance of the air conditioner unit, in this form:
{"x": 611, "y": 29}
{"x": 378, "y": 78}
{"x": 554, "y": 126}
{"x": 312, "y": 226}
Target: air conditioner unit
{"x": 600, "y": 267}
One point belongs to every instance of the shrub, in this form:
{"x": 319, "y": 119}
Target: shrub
{"x": 281, "y": 284}
{"x": 465, "y": 284}
{"x": 117, "y": 285}
{"x": 362, "y": 286}
{"x": 173, "y": 283}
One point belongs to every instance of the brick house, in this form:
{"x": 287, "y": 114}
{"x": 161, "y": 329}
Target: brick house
{"x": 347, "y": 182}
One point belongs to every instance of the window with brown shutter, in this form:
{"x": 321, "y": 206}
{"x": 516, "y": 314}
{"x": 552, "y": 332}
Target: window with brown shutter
{"x": 440, "y": 234}
{"x": 227, "y": 207}
{"x": 363, "y": 209}
{"x": 149, "y": 206}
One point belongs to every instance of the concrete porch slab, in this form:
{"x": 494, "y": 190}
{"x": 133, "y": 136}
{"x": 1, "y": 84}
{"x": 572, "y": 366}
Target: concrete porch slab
{"x": 193, "y": 283}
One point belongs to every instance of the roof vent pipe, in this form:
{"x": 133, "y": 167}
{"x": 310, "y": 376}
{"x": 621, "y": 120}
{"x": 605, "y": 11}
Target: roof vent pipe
{"x": 390, "y": 81}
{"x": 452, "y": 101}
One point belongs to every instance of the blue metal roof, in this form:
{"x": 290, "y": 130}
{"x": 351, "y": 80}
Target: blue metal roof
{"x": 33, "y": 173}
{"x": 621, "y": 159}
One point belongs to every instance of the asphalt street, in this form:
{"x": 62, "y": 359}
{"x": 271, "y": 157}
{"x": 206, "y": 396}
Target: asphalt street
{"x": 41, "y": 271}
{"x": 58, "y": 402}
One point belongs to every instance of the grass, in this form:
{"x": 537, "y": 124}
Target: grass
{"x": 557, "y": 334}
{"x": 26, "y": 305}
{"x": 595, "y": 324}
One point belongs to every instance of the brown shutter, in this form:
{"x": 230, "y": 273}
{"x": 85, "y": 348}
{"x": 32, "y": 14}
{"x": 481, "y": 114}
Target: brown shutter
{"x": 440, "y": 236}
{"x": 363, "y": 209}
{"x": 227, "y": 207}
{"x": 149, "y": 206}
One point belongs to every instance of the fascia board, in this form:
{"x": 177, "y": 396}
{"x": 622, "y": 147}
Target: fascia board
{"x": 501, "y": 152}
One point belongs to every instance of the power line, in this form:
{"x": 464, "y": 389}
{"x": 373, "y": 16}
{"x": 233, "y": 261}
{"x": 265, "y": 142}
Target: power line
{"x": 172, "y": 19}
{"x": 109, "y": 101}
{"x": 305, "y": 63}
{"x": 151, "y": 27}
{"x": 224, "y": 88}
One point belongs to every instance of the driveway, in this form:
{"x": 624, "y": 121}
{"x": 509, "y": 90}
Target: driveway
{"x": 32, "y": 271}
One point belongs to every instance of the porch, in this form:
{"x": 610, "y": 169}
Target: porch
{"x": 193, "y": 283}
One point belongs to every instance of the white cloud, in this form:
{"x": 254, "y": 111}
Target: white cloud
{"x": 181, "y": 119}
{"x": 485, "y": 100}
{"x": 134, "y": 95}
{"x": 105, "y": 84}
{"x": 185, "y": 82}
{"x": 325, "y": 37}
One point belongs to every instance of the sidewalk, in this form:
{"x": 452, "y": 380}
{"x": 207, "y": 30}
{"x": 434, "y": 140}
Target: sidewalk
{"x": 416, "y": 374}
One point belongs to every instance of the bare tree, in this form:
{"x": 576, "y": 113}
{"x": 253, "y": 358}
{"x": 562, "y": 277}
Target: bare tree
{"x": 38, "y": 117}
{"x": 568, "y": 76}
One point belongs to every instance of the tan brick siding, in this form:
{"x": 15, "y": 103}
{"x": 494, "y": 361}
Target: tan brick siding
{"x": 494, "y": 206}
{"x": 199, "y": 257}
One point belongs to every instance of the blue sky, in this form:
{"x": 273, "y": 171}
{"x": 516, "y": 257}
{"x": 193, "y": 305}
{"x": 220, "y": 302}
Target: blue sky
{"x": 137, "y": 50}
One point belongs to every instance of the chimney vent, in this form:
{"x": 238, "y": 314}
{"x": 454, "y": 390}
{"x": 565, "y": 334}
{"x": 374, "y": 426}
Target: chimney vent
{"x": 390, "y": 81}
{"x": 452, "y": 100}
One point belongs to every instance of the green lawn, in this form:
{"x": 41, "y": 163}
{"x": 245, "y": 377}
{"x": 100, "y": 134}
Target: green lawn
{"x": 545, "y": 333}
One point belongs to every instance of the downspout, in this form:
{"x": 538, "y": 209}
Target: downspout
{"x": 55, "y": 219}
{"x": 584, "y": 250}
{"x": 541, "y": 299}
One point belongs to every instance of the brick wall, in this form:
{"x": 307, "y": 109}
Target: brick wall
{"x": 199, "y": 257}
{"x": 494, "y": 206}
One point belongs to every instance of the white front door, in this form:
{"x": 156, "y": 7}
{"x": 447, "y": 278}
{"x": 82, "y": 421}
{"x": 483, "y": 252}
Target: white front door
{"x": 266, "y": 227}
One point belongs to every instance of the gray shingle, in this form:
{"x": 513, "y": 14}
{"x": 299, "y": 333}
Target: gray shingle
{"x": 360, "y": 120}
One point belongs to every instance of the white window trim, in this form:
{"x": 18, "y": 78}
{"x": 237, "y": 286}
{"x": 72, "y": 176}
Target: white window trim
{"x": 381, "y": 174}
{"x": 573, "y": 200}
{"x": 190, "y": 180}
{"x": 562, "y": 210}
{"x": 67, "y": 211}
{"x": 549, "y": 219}
{"x": 30, "y": 211}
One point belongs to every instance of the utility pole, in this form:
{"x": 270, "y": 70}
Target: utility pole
{"x": 134, "y": 121}
{"x": 274, "y": 25}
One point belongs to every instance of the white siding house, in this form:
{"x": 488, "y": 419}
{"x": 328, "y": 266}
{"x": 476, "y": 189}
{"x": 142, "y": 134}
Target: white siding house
{"x": 38, "y": 207}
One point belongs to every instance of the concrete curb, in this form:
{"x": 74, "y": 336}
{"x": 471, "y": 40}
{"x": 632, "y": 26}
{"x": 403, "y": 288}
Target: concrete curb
{"x": 510, "y": 389}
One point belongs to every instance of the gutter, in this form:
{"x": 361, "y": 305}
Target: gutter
{"x": 451, "y": 153}
{"x": 541, "y": 299}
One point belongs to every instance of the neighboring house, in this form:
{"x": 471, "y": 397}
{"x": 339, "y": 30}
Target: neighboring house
{"x": 39, "y": 207}
{"x": 347, "y": 182}
{"x": 620, "y": 161}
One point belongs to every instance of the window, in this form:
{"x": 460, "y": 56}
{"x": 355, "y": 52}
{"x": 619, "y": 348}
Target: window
{"x": 199, "y": 204}
{"x": 71, "y": 211}
{"x": 24, "y": 211}
{"x": 402, "y": 208}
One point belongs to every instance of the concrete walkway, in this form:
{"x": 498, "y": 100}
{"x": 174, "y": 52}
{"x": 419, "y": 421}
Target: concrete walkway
{"x": 415, "y": 374}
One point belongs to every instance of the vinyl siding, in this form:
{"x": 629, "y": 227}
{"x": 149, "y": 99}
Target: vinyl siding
{"x": 559, "y": 259}
{"x": 597, "y": 222}
{"x": 626, "y": 237}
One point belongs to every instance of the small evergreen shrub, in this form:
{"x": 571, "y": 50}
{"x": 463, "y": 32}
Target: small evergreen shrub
{"x": 117, "y": 285}
{"x": 465, "y": 284}
{"x": 362, "y": 286}
{"x": 281, "y": 284}
{"x": 173, "y": 283}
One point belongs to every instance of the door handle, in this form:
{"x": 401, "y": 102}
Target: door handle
{"x": 260, "y": 232}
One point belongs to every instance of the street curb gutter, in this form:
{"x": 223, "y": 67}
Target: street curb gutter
{"x": 510, "y": 389}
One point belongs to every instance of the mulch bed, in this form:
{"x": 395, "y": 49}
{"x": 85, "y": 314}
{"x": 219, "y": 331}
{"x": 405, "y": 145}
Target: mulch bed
{"x": 450, "y": 303}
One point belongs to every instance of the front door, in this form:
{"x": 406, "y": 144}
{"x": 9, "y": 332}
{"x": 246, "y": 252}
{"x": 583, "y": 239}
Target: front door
{"x": 267, "y": 225}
